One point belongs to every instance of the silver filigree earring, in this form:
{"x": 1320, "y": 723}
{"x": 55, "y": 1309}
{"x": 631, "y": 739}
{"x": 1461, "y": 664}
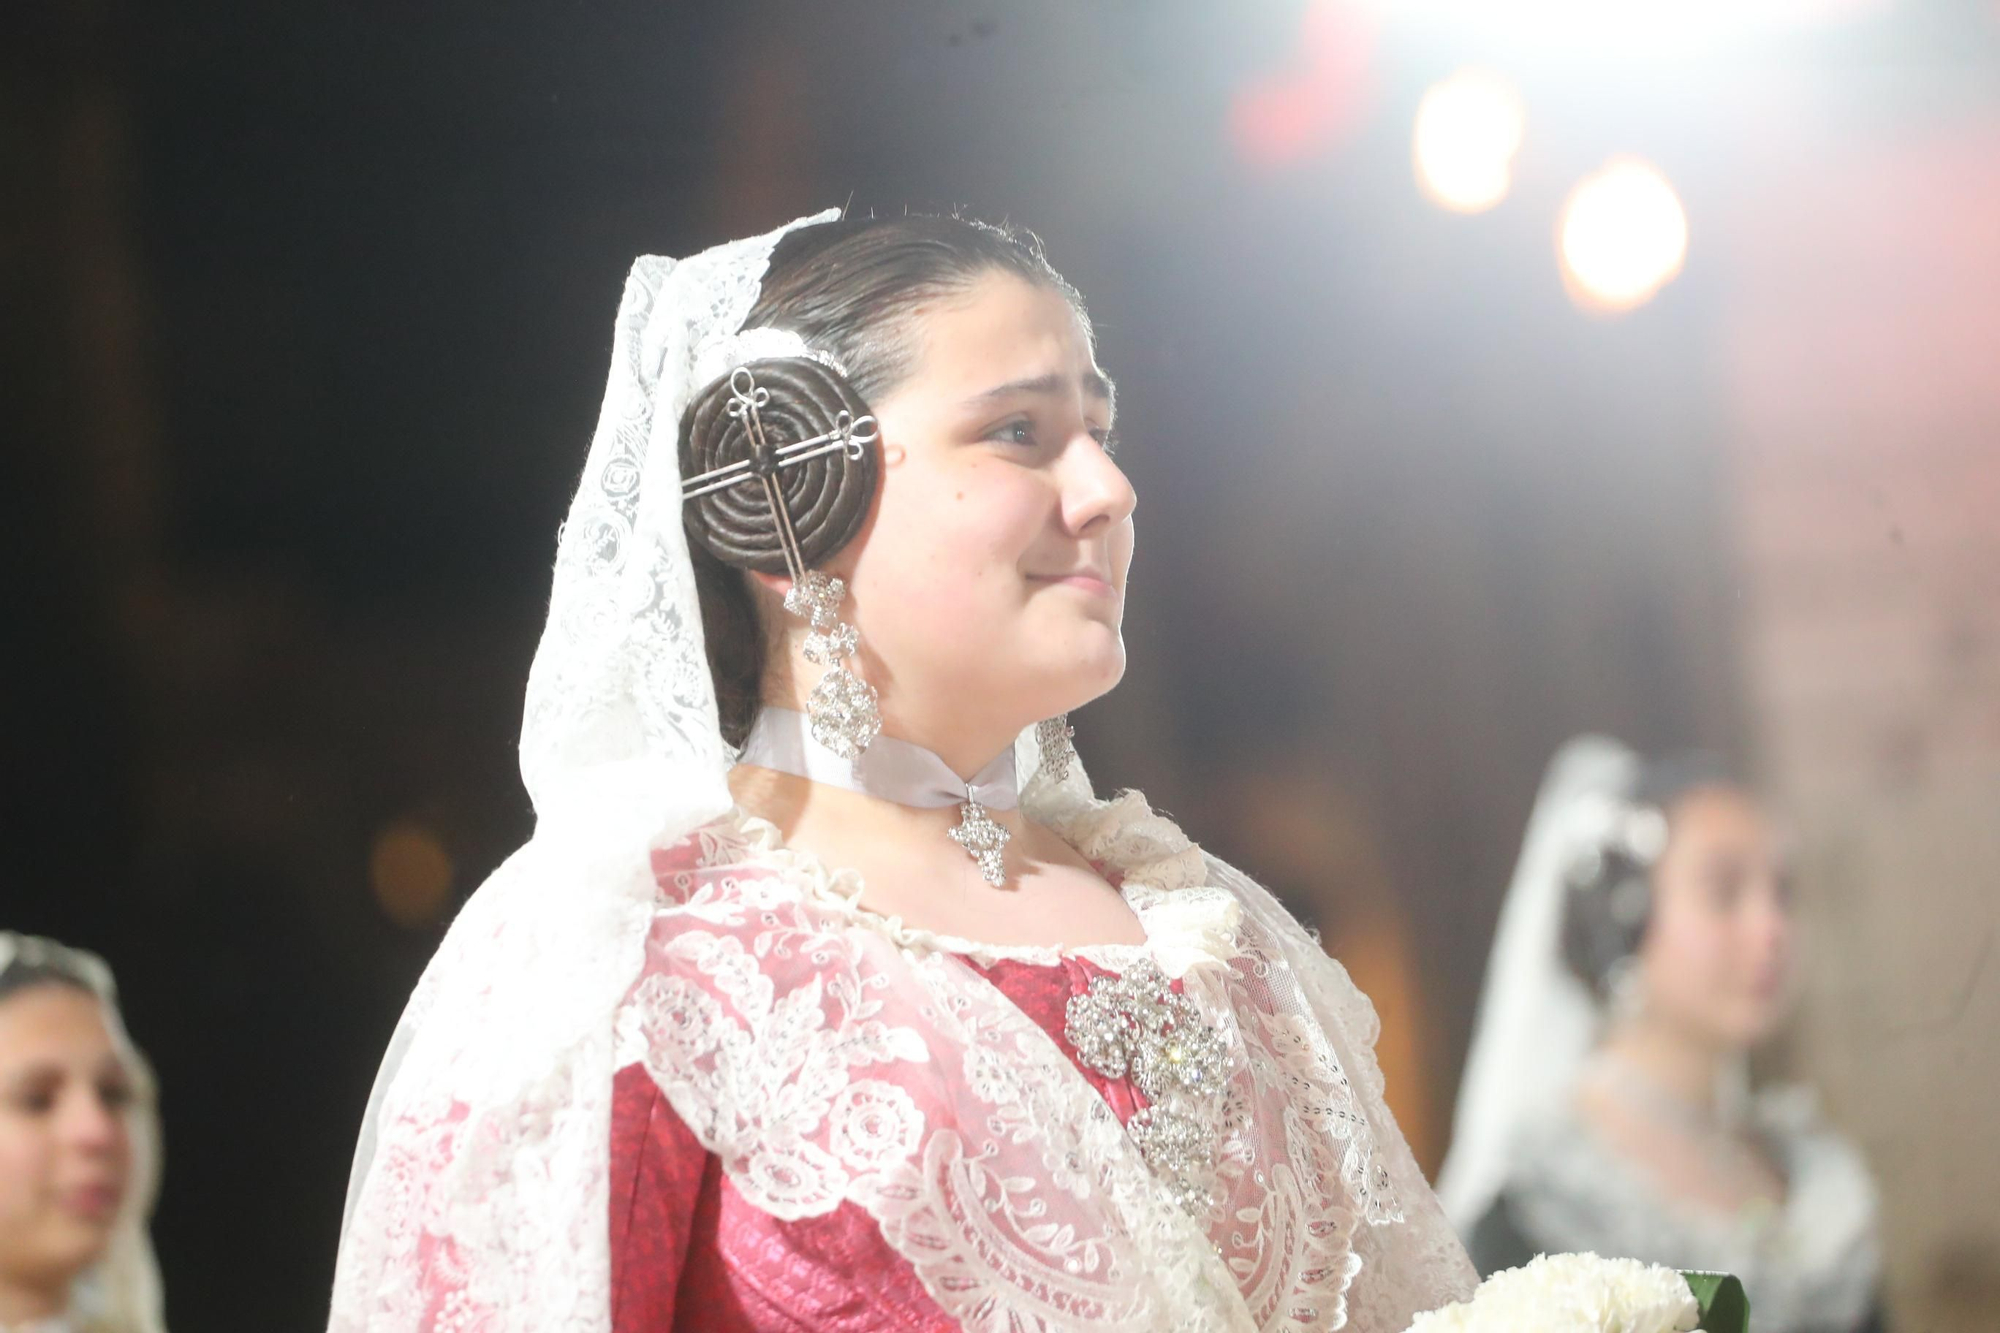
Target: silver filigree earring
{"x": 1057, "y": 738}
{"x": 843, "y": 710}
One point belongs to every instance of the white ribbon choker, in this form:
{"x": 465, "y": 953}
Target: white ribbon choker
{"x": 898, "y": 771}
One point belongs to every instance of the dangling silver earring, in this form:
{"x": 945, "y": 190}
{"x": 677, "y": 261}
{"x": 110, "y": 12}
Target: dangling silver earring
{"x": 1624, "y": 990}
{"x": 1057, "y": 738}
{"x": 843, "y": 709}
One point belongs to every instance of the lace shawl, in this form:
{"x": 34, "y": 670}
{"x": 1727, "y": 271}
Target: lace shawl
{"x": 827, "y": 1054}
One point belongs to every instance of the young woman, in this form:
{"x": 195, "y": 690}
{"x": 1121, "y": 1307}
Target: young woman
{"x": 1646, "y": 949}
{"x": 826, "y": 995}
{"x": 78, "y": 1150}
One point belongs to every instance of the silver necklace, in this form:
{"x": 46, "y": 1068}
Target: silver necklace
{"x": 1719, "y": 1136}
{"x": 899, "y": 771}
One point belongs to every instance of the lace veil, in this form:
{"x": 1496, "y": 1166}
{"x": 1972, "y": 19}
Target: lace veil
{"x": 1536, "y": 1021}
{"x": 479, "y": 1197}
{"x": 121, "y": 1292}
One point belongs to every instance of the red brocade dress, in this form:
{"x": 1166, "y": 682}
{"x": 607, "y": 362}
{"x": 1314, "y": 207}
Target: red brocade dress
{"x": 688, "y": 1252}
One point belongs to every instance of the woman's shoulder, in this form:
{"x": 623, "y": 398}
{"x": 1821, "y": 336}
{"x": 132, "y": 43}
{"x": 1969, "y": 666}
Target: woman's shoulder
{"x": 734, "y": 879}
{"x": 1824, "y": 1168}
{"x": 1125, "y": 835}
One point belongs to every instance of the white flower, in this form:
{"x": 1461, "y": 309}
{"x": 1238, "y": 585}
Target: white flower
{"x": 1572, "y": 1293}
{"x": 874, "y": 1124}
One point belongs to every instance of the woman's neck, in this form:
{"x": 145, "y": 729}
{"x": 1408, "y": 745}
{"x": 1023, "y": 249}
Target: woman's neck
{"x": 965, "y": 739}
{"x": 791, "y": 801}
{"x": 26, "y": 1305}
{"x": 1678, "y": 1062}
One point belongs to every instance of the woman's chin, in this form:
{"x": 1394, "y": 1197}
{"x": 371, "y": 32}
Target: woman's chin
{"x": 1097, "y": 673}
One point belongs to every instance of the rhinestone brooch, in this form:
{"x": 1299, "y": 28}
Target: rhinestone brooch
{"x": 1137, "y": 1025}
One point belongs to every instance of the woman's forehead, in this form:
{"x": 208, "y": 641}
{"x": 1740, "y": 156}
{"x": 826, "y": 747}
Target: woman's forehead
{"x": 1005, "y": 331}
{"x": 51, "y": 1021}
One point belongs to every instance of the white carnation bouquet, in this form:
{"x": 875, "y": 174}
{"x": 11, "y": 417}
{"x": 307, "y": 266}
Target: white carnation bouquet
{"x": 1582, "y": 1293}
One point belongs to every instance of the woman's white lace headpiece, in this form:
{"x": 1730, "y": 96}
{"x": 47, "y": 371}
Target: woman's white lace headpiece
{"x": 620, "y": 750}
{"x": 1536, "y": 1019}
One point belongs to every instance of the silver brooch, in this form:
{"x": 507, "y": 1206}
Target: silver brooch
{"x": 1137, "y": 1024}
{"x": 984, "y": 840}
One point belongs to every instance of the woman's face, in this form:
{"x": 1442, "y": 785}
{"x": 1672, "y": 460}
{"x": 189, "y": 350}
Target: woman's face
{"x": 65, "y": 1156}
{"x": 1717, "y": 954}
{"x": 989, "y": 585}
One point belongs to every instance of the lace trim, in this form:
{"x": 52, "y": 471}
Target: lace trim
{"x": 1185, "y": 924}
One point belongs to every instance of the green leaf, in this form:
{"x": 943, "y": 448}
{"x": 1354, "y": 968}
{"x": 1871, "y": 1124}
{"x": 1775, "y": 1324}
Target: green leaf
{"x": 1724, "y": 1307}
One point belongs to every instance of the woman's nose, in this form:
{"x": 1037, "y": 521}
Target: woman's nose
{"x": 1095, "y": 489}
{"x": 90, "y": 1125}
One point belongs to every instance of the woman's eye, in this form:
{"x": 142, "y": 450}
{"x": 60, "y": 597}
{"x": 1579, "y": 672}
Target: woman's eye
{"x": 114, "y": 1096}
{"x": 1015, "y": 432}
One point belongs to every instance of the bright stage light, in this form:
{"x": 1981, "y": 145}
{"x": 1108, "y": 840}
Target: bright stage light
{"x": 1623, "y": 236}
{"x": 1468, "y": 130}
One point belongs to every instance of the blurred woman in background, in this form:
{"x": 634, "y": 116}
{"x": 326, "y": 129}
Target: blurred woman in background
{"x": 78, "y": 1150}
{"x": 1646, "y": 948}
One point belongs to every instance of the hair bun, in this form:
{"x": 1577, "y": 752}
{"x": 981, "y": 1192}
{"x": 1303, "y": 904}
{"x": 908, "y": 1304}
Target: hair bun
{"x": 827, "y": 496}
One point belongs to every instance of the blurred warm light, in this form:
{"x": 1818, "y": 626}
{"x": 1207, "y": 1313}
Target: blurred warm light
{"x": 1623, "y": 236}
{"x": 411, "y": 874}
{"x": 1318, "y": 99}
{"x": 1468, "y": 130}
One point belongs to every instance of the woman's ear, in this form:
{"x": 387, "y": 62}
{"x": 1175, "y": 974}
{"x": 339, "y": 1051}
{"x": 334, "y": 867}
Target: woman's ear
{"x": 775, "y": 584}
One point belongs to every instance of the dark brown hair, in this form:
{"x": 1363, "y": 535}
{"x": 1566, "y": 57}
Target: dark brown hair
{"x": 850, "y": 288}
{"x": 26, "y": 976}
{"x": 1610, "y": 899}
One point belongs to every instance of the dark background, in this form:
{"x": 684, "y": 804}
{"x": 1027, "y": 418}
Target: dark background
{"x": 306, "y": 318}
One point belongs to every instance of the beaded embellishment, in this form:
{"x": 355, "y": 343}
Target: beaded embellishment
{"x": 1137, "y": 1024}
{"x": 984, "y": 841}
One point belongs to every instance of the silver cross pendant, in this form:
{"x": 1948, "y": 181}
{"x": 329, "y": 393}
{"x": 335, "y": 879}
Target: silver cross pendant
{"x": 983, "y": 840}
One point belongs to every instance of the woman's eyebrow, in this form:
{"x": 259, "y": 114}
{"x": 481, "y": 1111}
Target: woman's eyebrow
{"x": 1095, "y": 385}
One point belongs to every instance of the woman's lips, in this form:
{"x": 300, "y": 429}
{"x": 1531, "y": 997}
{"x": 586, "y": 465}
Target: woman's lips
{"x": 1090, "y": 583}
{"x": 97, "y": 1203}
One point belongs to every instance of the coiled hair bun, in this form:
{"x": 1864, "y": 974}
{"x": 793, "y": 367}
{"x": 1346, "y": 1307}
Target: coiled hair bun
{"x": 828, "y": 497}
